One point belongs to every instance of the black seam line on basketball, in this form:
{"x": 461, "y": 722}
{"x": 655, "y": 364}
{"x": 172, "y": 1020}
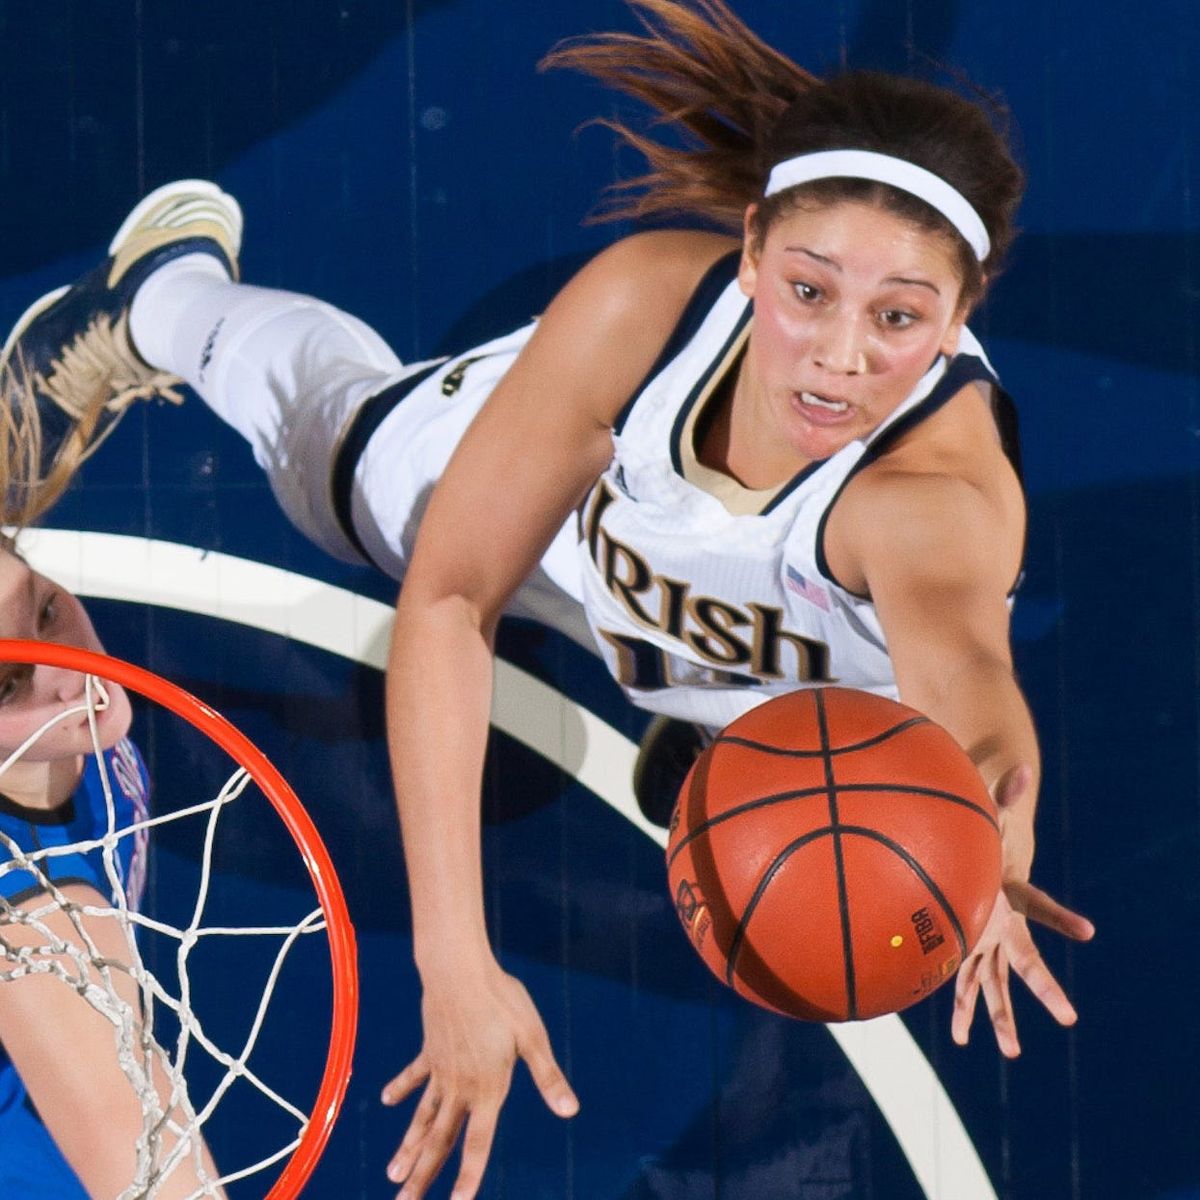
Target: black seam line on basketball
{"x": 936, "y": 892}
{"x": 912, "y": 789}
{"x": 729, "y": 814}
{"x": 751, "y": 744}
{"x": 739, "y": 933}
{"x": 803, "y": 793}
{"x": 839, "y": 862}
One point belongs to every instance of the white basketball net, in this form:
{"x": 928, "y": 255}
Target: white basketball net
{"x": 171, "y": 1121}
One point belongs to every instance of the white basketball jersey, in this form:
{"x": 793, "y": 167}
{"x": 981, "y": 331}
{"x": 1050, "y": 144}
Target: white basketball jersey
{"x": 404, "y": 457}
{"x": 706, "y": 599}
{"x": 703, "y": 598}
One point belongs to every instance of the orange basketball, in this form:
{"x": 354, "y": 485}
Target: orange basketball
{"x": 834, "y": 855}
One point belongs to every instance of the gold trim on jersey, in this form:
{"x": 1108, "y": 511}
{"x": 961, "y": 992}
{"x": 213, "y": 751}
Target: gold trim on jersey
{"x": 738, "y": 500}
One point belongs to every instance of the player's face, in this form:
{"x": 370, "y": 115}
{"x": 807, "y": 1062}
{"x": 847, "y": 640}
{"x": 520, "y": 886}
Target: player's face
{"x": 32, "y": 606}
{"x": 852, "y": 305}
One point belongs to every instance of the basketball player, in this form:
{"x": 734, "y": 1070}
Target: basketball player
{"x": 754, "y": 463}
{"x": 69, "y": 1116}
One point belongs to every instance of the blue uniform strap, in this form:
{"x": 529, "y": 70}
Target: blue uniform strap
{"x": 716, "y": 279}
{"x": 371, "y": 414}
{"x": 962, "y": 370}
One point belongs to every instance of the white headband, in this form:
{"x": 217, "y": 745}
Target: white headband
{"x": 882, "y": 168}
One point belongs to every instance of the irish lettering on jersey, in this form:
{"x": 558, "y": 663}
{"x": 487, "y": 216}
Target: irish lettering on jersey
{"x": 742, "y": 644}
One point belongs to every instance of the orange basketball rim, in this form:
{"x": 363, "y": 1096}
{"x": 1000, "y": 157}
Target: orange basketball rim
{"x": 299, "y": 824}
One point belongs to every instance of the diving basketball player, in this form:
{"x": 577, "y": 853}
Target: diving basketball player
{"x": 754, "y": 462}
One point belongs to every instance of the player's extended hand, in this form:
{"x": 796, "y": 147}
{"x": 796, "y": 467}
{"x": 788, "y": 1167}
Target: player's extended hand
{"x": 1007, "y": 943}
{"x": 474, "y": 1034}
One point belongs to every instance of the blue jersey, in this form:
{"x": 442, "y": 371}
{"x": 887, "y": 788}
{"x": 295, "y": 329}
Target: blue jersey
{"x": 83, "y": 818}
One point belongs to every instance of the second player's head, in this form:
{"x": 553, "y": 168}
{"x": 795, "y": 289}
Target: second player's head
{"x": 50, "y": 699}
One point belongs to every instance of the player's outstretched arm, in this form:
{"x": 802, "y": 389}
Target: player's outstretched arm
{"x": 66, "y": 1054}
{"x": 1007, "y": 942}
{"x": 528, "y": 459}
{"x": 937, "y": 554}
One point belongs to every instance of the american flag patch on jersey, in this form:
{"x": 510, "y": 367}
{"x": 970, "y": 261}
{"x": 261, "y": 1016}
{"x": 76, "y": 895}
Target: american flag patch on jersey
{"x": 814, "y": 593}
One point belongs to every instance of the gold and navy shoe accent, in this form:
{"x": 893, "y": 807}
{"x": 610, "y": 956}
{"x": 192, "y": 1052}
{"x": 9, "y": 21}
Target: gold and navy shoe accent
{"x": 69, "y": 369}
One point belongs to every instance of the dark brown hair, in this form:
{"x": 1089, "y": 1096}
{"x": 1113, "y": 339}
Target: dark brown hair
{"x": 742, "y": 107}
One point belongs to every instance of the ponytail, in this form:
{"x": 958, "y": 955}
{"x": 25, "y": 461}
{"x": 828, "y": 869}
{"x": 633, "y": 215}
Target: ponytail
{"x": 742, "y": 107}
{"x": 707, "y": 75}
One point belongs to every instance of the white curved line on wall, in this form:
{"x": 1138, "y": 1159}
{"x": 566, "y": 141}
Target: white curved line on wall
{"x": 170, "y": 575}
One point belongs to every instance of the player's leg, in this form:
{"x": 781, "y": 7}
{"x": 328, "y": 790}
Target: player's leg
{"x": 285, "y": 370}
{"x": 666, "y": 752}
{"x": 289, "y": 372}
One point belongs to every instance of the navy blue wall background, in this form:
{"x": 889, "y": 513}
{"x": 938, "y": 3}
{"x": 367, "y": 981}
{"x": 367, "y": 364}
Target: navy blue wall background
{"x": 405, "y": 161}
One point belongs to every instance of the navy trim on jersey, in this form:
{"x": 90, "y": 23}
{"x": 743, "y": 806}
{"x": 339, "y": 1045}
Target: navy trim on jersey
{"x": 701, "y": 384}
{"x": 1005, "y": 411}
{"x": 371, "y": 414}
{"x": 62, "y": 814}
{"x": 708, "y": 291}
{"x": 963, "y": 369}
{"x": 792, "y": 484}
{"x": 19, "y": 898}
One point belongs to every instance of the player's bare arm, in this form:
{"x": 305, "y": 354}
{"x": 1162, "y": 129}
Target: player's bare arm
{"x": 937, "y": 554}
{"x": 539, "y": 442}
{"x": 39, "y": 1016}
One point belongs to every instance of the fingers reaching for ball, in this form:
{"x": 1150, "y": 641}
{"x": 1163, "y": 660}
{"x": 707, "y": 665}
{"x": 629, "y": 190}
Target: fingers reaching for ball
{"x": 1007, "y": 945}
{"x": 1014, "y": 787}
{"x": 985, "y": 972}
{"x": 1036, "y": 905}
{"x": 475, "y": 1030}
